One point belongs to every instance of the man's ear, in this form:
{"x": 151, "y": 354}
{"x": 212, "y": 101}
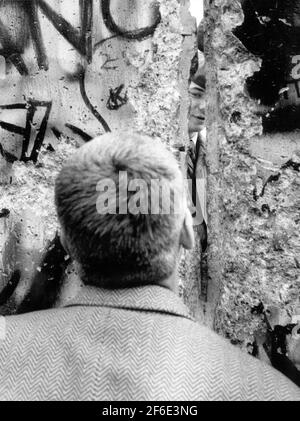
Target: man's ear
{"x": 63, "y": 241}
{"x": 187, "y": 238}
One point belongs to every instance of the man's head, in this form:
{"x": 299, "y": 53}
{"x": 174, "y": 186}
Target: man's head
{"x": 197, "y": 98}
{"x": 116, "y": 248}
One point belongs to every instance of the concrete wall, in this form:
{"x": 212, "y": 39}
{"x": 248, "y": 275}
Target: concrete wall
{"x": 253, "y": 181}
{"x": 70, "y": 70}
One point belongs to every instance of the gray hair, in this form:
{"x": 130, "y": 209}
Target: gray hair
{"x": 114, "y": 250}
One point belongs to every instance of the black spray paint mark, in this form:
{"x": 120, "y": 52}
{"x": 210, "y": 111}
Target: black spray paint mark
{"x": 11, "y": 51}
{"x": 136, "y": 34}
{"x": 90, "y": 105}
{"x": 57, "y": 133}
{"x": 76, "y": 130}
{"x": 85, "y": 136}
{"x": 108, "y": 60}
{"x": 116, "y": 100}
{"x": 80, "y": 39}
{"x": 36, "y": 35}
{"x": 31, "y": 108}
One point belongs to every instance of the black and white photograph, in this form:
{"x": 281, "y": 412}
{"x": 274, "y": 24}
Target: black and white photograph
{"x": 149, "y": 203}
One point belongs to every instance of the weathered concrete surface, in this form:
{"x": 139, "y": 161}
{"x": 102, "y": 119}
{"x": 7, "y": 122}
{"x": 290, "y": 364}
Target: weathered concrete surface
{"x": 190, "y": 267}
{"x": 71, "y": 70}
{"x": 254, "y": 238}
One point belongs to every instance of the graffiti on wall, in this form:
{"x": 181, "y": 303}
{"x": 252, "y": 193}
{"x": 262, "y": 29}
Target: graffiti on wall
{"x": 65, "y": 66}
{"x": 59, "y": 55}
{"x": 30, "y": 109}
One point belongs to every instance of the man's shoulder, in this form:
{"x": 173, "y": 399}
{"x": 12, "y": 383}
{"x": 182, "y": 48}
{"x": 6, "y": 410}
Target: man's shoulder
{"x": 199, "y": 363}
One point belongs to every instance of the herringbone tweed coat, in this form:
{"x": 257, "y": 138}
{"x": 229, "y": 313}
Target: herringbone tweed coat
{"x": 131, "y": 344}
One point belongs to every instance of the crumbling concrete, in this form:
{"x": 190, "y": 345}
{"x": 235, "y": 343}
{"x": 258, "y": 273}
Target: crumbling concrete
{"x": 253, "y": 196}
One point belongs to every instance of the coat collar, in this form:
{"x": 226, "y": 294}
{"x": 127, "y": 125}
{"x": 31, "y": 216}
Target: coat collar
{"x": 146, "y": 298}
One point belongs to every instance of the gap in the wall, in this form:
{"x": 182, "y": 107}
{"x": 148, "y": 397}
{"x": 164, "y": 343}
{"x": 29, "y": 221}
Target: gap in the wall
{"x": 196, "y": 9}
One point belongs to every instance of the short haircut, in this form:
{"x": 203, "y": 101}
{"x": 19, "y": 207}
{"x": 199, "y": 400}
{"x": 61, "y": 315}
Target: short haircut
{"x": 117, "y": 250}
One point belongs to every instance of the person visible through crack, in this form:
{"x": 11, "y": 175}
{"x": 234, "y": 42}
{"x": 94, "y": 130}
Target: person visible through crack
{"x": 196, "y": 166}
